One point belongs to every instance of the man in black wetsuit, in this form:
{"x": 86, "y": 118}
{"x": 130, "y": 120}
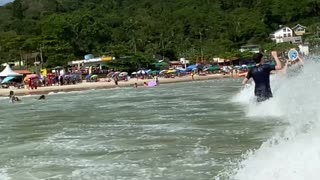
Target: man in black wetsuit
{"x": 261, "y": 76}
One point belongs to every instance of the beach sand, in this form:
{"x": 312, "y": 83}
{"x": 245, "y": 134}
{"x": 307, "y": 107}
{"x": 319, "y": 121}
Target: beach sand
{"x": 102, "y": 84}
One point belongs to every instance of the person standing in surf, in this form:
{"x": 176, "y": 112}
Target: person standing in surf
{"x": 261, "y": 76}
{"x": 293, "y": 67}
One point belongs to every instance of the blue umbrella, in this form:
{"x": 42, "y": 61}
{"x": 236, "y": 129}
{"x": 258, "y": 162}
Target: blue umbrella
{"x": 191, "y": 67}
{"x": 7, "y": 79}
{"x": 87, "y": 77}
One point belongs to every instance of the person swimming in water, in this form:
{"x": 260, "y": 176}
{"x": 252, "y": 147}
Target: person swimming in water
{"x": 42, "y": 97}
{"x": 261, "y": 76}
{"x": 12, "y": 97}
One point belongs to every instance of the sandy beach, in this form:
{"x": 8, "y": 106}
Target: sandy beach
{"x": 102, "y": 84}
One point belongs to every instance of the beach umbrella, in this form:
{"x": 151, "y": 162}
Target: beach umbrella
{"x": 171, "y": 71}
{"x": 109, "y": 74}
{"x": 87, "y": 77}
{"x": 212, "y": 68}
{"x": 32, "y": 76}
{"x": 134, "y": 73}
{"x": 115, "y": 74}
{"x": 155, "y": 72}
{"x": 237, "y": 67}
{"x": 7, "y": 79}
{"x": 141, "y": 72}
{"x": 94, "y": 76}
{"x": 181, "y": 71}
{"x": 123, "y": 74}
{"x": 191, "y": 67}
{"x": 163, "y": 71}
{"x": 58, "y": 67}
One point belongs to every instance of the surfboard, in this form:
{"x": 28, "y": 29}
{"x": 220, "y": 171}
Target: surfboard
{"x": 293, "y": 54}
{"x": 152, "y": 84}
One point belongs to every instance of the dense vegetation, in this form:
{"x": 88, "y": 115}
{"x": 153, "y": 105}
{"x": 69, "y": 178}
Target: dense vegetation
{"x": 68, "y": 29}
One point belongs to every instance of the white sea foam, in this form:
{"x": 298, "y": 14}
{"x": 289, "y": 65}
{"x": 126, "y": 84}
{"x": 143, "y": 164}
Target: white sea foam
{"x": 292, "y": 153}
{"x": 4, "y": 175}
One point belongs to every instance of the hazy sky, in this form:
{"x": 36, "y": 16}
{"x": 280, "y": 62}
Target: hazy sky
{"x": 2, "y": 2}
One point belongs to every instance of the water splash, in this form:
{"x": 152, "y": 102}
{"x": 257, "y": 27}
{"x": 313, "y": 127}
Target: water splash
{"x": 292, "y": 153}
{"x": 4, "y": 174}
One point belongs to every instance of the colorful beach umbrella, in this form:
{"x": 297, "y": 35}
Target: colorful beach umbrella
{"x": 171, "y": 71}
{"x": 31, "y": 76}
{"x": 7, "y": 79}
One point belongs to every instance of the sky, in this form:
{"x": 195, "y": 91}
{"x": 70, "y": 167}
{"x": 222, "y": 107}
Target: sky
{"x": 3, "y": 2}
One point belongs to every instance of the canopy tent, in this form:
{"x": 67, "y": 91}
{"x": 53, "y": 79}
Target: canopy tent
{"x": 9, "y": 72}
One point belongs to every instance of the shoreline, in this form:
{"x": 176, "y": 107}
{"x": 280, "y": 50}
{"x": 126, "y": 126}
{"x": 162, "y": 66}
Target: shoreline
{"x": 106, "y": 85}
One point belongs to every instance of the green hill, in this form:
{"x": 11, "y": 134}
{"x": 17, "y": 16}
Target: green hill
{"x": 69, "y": 29}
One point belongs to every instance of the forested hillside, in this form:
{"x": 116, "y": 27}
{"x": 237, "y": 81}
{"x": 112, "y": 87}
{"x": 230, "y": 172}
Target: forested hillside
{"x": 69, "y": 29}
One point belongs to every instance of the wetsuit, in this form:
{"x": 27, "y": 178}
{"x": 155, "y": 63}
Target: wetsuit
{"x": 261, "y": 77}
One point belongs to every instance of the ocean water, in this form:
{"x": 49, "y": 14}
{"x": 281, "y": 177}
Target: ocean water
{"x": 185, "y": 131}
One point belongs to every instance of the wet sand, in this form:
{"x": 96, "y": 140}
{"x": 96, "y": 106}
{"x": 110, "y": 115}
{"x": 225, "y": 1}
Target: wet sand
{"x": 102, "y": 84}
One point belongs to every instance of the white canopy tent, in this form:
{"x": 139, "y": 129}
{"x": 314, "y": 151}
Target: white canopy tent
{"x": 8, "y": 72}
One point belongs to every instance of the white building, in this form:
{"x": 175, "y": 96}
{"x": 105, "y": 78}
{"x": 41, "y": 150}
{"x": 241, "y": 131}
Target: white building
{"x": 304, "y": 49}
{"x": 285, "y": 34}
{"x": 299, "y": 30}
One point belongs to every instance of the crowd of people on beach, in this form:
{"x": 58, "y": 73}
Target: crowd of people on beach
{"x": 260, "y": 73}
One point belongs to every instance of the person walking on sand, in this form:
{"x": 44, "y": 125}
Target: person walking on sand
{"x": 192, "y": 75}
{"x": 116, "y": 81}
{"x": 261, "y": 76}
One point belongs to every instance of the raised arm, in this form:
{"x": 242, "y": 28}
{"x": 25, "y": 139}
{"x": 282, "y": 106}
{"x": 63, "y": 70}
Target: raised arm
{"x": 300, "y": 58}
{"x": 276, "y": 58}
